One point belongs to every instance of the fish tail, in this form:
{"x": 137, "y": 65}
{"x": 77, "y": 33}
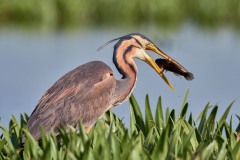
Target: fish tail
{"x": 188, "y": 76}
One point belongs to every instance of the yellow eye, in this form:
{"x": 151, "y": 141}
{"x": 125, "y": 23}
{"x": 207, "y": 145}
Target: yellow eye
{"x": 148, "y": 44}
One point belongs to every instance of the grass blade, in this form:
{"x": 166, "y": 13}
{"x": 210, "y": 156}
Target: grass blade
{"x": 159, "y": 118}
{"x": 137, "y": 114}
{"x": 161, "y": 148}
{"x": 225, "y": 114}
{"x": 149, "y": 121}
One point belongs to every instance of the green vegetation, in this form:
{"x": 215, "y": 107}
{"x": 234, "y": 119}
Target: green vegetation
{"x": 60, "y": 13}
{"x": 165, "y": 136}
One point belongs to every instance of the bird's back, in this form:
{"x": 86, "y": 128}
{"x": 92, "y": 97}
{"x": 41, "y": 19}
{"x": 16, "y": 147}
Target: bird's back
{"x": 82, "y": 94}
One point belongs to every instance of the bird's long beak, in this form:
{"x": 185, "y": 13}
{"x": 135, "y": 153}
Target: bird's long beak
{"x": 152, "y": 63}
{"x": 155, "y": 49}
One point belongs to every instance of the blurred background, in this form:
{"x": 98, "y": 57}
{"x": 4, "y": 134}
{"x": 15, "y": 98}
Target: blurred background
{"x": 42, "y": 40}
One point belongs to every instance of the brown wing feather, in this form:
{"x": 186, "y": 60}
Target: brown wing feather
{"x": 84, "y": 93}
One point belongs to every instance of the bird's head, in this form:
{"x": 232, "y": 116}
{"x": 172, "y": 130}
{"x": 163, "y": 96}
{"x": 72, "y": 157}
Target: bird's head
{"x": 140, "y": 44}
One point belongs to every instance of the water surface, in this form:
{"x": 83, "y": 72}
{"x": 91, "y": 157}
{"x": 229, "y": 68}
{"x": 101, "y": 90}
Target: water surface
{"x": 30, "y": 62}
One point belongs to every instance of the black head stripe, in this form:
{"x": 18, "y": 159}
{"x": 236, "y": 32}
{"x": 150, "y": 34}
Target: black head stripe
{"x": 119, "y": 38}
{"x": 129, "y": 48}
{"x": 126, "y": 37}
{"x": 137, "y": 41}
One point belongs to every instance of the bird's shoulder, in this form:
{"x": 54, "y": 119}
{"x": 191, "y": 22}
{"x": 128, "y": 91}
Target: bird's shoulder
{"x": 80, "y": 79}
{"x": 88, "y": 73}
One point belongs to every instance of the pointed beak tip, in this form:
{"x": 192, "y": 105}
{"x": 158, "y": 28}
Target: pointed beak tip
{"x": 154, "y": 65}
{"x": 171, "y": 86}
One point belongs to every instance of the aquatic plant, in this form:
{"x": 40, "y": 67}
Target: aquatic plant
{"x": 165, "y": 135}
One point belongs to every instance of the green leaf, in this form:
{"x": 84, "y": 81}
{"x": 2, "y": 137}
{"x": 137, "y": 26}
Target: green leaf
{"x": 198, "y": 136}
{"x": 190, "y": 120}
{"x": 83, "y": 133}
{"x": 203, "y": 116}
{"x": 171, "y": 120}
{"x": 159, "y": 118}
{"x": 222, "y": 152}
{"x": 47, "y": 152}
{"x": 184, "y": 105}
{"x": 238, "y": 127}
{"x": 225, "y": 114}
{"x": 184, "y": 111}
{"x": 136, "y": 107}
{"x": 161, "y": 149}
{"x": 133, "y": 128}
{"x": 208, "y": 152}
{"x": 166, "y": 137}
{"x": 7, "y": 138}
{"x": 149, "y": 121}
{"x": 236, "y": 150}
{"x": 115, "y": 146}
{"x": 137, "y": 114}
{"x": 150, "y": 140}
{"x": 187, "y": 143}
{"x": 211, "y": 119}
{"x": 31, "y": 145}
{"x": 185, "y": 99}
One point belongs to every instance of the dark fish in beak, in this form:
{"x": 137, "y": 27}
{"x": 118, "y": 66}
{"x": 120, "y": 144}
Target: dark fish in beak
{"x": 167, "y": 65}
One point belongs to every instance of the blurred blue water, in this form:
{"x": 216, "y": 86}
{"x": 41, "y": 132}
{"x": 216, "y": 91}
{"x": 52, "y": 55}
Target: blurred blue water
{"x": 30, "y": 62}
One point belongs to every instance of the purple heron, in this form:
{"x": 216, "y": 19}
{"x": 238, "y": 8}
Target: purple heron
{"x": 88, "y": 91}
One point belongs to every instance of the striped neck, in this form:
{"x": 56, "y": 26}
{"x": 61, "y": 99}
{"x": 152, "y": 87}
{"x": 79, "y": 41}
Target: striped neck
{"x": 124, "y": 52}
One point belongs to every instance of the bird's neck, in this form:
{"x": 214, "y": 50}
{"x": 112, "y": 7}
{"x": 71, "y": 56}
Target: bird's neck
{"x": 123, "y": 60}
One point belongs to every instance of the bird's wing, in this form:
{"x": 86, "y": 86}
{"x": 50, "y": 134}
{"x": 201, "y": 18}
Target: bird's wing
{"x": 84, "y": 93}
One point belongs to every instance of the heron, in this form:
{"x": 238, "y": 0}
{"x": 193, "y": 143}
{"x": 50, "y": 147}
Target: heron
{"x": 88, "y": 91}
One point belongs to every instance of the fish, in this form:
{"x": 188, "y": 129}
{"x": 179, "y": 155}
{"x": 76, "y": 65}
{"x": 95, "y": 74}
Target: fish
{"x": 167, "y": 65}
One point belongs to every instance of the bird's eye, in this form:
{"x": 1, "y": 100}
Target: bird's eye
{"x": 147, "y": 44}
